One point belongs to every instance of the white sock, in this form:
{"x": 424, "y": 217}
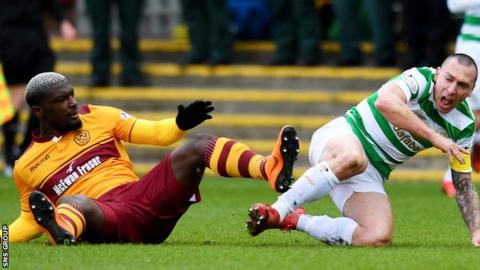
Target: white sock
{"x": 315, "y": 183}
{"x": 447, "y": 177}
{"x": 332, "y": 231}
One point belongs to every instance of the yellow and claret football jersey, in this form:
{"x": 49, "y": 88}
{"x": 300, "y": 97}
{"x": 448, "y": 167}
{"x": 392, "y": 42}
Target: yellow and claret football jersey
{"x": 90, "y": 160}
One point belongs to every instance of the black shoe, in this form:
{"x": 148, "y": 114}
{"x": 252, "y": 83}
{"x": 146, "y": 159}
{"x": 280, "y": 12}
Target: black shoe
{"x": 137, "y": 80}
{"x": 43, "y": 211}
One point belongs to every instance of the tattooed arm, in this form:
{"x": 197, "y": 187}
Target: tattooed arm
{"x": 467, "y": 201}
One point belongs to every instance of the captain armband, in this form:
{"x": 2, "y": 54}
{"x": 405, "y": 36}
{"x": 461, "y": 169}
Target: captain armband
{"x": 463, "y": 168}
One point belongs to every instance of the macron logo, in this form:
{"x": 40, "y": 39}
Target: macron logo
{"x": 40, "y": 162}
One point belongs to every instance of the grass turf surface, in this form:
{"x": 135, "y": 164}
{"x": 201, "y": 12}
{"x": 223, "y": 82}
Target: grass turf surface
{"x": 429, "y": 234}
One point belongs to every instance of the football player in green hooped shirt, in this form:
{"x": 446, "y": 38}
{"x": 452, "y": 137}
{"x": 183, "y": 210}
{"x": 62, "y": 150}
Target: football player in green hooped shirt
{"x": 468, "y": 42}
{"x": 352, "y": 156}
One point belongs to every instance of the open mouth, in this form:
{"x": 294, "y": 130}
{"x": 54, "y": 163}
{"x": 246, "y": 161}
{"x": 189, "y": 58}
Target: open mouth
{"x": 446, "y": 102}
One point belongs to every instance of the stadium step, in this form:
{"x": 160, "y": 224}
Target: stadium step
{"x": 252, "y": 101}
{"x": 252, "y": 70}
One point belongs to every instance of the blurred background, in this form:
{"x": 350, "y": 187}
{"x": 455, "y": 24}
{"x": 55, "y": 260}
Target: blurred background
{"x": 263, "y": 63}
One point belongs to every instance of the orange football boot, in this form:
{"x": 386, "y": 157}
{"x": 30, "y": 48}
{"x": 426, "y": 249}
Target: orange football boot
{"x": 279, "y": 165}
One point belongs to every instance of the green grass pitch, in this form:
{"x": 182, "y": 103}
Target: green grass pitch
{"x": 429, "y": 234}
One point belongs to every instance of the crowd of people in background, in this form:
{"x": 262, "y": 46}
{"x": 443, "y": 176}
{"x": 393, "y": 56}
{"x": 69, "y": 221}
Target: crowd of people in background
{"x": 297, "y": 27}
{"x": 25, "y": 52}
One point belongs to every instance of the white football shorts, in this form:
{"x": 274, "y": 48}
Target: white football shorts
{"x": 368, "y": 181}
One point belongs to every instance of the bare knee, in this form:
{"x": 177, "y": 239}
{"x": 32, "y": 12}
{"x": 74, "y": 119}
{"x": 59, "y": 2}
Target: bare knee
{"x": 91, "y": 211}
{"x": 79, "y": 201}
{"x": 195, "y": 147}
{"x": 200, "y": 142}
{"x": 351, "y": 163}
{"x": 194, "y": 150}
{"x": 373, "y": 237}
{"x": 189, "y": 160}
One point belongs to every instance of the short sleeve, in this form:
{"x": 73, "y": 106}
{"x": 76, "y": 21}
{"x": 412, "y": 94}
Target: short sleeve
{"x": 412, "y": 82}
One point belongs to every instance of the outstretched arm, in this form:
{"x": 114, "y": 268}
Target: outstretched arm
{"x": 169, "y": 131}
{"x": 392, "y": 103}
{"x": 467, "y": 201}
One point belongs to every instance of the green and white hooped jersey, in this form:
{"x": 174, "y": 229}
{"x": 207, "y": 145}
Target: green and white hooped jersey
{"x": 471, "y": 25}
{"x": 388, "y": 146}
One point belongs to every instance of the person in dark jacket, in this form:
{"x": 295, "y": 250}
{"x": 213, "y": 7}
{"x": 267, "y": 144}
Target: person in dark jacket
{"x": 25, "y": 52}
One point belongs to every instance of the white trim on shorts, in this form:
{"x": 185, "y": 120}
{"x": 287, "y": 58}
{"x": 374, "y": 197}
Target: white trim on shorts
{"x": 368, "y": 181}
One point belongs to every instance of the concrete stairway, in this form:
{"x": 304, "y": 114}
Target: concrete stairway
{"x": 252, "y": 101}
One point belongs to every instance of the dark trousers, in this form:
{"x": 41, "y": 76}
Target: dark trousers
{"x": 129, "y": 12}
{"x": 296, "y": 29}
{"x": 23, "y": 56}
{"x": 208, "y": 23}
{"x": 10, "y": 129}
{"x": 379, "y": 21}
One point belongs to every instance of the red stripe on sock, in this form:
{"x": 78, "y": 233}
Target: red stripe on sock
{"x": 69, "y": 220}
{"x": 244, "y": 161}
{"x": 209, "y": 151}
{"x": 262, "y": 169}
{"x": 79, "y": 216}
{"x": 78, "y": 209}
{"x": 222, "y": 160}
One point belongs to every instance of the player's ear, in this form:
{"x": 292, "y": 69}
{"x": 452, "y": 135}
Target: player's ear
{"x": 37, "y": 111}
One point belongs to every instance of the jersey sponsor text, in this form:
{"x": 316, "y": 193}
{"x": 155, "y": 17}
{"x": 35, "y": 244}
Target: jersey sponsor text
{"x": 75, "y": 174}
{"x": 406, "y": 139}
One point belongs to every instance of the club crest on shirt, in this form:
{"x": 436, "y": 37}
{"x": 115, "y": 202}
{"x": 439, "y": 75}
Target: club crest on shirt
{"x": 81, "y": 137}
{"x": 411, "y": 83}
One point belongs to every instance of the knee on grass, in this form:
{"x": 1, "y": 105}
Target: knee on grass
{"x": 84, "y": 204}
{"x": 374, "y": 237}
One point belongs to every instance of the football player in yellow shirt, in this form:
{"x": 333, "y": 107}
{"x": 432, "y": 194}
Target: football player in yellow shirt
{"x": 76, "y": 180}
